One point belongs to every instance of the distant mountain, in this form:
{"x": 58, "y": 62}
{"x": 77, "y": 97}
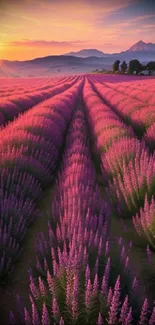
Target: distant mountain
{"x": 52, "y": 65}
{"x": 138, "y": 49}
{"x": 86, "y": 53}
{"x": 142, "y": 46}
{"x": 83, "y": 61}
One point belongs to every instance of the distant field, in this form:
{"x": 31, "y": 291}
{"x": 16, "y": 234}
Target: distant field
{"x": 77, "y": 200}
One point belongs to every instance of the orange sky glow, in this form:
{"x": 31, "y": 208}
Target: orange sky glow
{"x": 35, "y": 28}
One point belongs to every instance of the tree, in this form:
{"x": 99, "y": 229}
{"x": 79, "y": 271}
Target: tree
{"x": 151, "y": 67}
{"x": 116, "y": 65}
{"x": 124, "y": 66}
{"x": 134, "y": 65}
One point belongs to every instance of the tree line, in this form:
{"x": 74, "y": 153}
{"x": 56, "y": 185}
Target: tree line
{"x": 134, "y": 66}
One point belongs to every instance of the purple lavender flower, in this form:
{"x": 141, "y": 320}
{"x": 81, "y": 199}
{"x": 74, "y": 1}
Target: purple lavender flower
{"x": 124, "y": 310}
{"x": 12, "y": 319}
{"x": 144, "y": 313}
{"x": 50, "y": 282}
{"x": 55, "y": 308}
{"x": 88, "y": 293}
{"x": 61, "y": 321}
{"x": 42, "y": 287}
{"x": 152, "y": 318}
{"x": 99, "y": 321}
{"x": 35, "y": 315}
{"x": 75, "y": 295}
{"x": 27, "y": 317}
{"x": 110, "y": 295}
{"x": 45, "y": 316}
{"x": 129, "y": 317}
{"x": 115, "y": 303}
{"x": 107, "y": 248}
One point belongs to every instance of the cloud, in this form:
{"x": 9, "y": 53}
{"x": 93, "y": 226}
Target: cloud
{"x": 10, "y": 14}
{"x": 42, "y": 43}
{"x": 107, "y": 44}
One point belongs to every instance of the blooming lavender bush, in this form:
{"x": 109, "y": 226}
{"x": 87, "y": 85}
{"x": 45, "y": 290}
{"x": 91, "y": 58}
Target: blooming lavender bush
{"x": 126, "y": 163}
{"x": 35, "y": 165}
{"x": 16, "y": 104}
{"x": 73, "y": 265}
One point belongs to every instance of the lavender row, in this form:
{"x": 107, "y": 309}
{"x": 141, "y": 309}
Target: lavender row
{"x": 127, "y": 168}
{"x": 74, "y": 267}
{"x": 11, "y": 107}
{"x": 32, "y": 85}
{"x": 129, "y": 101}
{"x": 142, "y": 90}
{"x": 29, "y": 153}
{"x": 142, "y": 93}
{"x": 135, "y": 112}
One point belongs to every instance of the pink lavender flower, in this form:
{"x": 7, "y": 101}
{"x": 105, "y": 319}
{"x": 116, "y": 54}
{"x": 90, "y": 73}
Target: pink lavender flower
{"x": 88, "y": 293}
{"x": 42, "y": 287}
{"x": 95, "y": 284}
{"x": 27, "y": 317}
{"x": 107, "y": 269}
{"x": 124, "y": 310}
{"x": 33, "y": 288}
{"x": 109, "y": 298}
{"x": 61, "y": 321}
{"x": 45, "y": 316}
{"x": 50, "y": 282}
{"x": 104, "y": 285}
{"x": 134, "y": 283}
{"x": 107, "y": 248}
{"x": 127, "y": 262}
{"x": 55, "y": 308}
{"x": 115, "y": 303}
{"x": 45, "y": 265}
{"x": 129, "y": 317}
{"x": 144, "y": 313}
{"x": 35, "y": 315}
{"x": 152, "y": 318}
{"x": 99, "y": 321}
{"x": 75, "y": 296}
{"x": 130, "y": 244}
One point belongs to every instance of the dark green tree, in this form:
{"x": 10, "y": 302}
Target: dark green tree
{"x": 116, "y": 66}
{"x": 134, "y": 65}
{"x": 124, "y": 66}
{"x": 151, "y": 67}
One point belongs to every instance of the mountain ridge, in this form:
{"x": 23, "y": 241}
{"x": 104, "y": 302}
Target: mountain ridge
{"x": 86, "y": 53}
{"x": 142, "y": 46}
{"x": 139, "y": 46}
{"x": 58, "y": 64}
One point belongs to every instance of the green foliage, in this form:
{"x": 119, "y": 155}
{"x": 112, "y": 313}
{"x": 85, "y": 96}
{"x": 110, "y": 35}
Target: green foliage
{"x": 116, "y": 65}
{"x": 135, "y": 65}
{"x": 124, "y": 66}
{"x": 151, "y": 67}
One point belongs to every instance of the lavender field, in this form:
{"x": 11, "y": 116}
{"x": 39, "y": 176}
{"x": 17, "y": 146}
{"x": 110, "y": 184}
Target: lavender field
{"x": 77, "y": 200}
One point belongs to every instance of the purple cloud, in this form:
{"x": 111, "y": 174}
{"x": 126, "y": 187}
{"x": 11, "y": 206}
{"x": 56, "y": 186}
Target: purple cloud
{"x": 43, "y": 43}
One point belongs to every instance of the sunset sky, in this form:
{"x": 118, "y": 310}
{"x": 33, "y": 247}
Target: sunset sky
{"x": 35, "y": 28}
